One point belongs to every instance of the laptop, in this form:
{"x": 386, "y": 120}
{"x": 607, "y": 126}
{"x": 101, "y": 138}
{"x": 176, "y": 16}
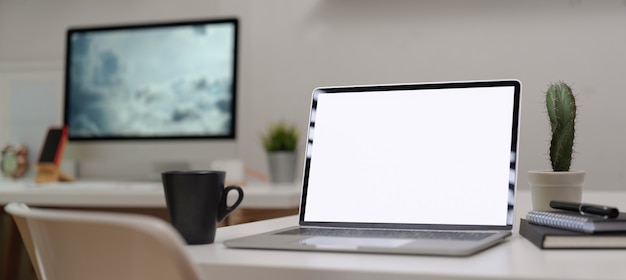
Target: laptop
{"x": 427, "y": 169}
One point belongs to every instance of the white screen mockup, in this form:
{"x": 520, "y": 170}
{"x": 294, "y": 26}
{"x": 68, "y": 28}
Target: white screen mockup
{"x": 411, "y": 157}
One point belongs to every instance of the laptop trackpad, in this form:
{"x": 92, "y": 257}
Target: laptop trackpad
{"x": 326, "y": 242}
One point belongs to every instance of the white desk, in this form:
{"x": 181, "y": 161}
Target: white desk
{"x": 125, "y": 194}
{"x": 514, "y": 259}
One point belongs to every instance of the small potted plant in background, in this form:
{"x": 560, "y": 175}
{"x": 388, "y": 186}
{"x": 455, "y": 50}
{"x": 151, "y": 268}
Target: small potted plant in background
{"x": 280, "y": 142}
{"x": 560, "y": 183}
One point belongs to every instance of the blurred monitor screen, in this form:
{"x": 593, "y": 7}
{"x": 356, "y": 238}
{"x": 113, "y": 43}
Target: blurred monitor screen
{"x": 173, "y": 80}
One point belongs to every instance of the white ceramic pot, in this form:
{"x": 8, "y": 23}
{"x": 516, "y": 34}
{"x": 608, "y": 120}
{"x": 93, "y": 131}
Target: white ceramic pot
{"x": 282, "y": 166}
{"x": 546, "y": 185}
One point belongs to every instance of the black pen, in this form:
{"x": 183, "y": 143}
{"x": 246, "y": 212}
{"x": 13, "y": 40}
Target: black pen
{"x": 585, "y": 208}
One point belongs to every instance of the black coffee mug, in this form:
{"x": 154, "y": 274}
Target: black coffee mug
{"x": 196, "y": 202}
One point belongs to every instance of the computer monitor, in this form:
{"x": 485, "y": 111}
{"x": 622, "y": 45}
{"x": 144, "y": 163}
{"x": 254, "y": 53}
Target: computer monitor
{"x": 173, "y": 80}
{"x": 152, "y": 92}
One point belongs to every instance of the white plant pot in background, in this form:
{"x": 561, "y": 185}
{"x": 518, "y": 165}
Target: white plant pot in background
{"x": 282, "y": 166}
{"x": 550, "y": 185}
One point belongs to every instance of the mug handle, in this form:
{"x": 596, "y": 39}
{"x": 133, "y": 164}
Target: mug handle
{"x": 224, "y": 209}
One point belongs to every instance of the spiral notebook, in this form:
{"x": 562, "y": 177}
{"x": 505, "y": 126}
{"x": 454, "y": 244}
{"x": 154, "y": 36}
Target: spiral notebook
{"x": 578, "y": 222}
{"x": 406, "y": 169}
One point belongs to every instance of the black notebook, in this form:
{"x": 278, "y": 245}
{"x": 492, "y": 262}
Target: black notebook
{"x": 554, "y": 238}
{"x": 577, "y": 222}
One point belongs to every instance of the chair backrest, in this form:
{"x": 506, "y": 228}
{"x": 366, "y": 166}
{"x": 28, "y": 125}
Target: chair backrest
{"x": 28, "y": 242}
{"x": 77, "y": 245}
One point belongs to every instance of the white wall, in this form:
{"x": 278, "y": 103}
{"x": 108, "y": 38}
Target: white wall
{"x": 289, "y": 47}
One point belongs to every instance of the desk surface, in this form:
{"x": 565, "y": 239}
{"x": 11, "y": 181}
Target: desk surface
{"x": 127, "y": 194}
{"x": 516, "y": 258}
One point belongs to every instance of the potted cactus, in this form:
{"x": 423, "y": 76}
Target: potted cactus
{"x": 559, "y": 183}
{"x": 280, "y": 142}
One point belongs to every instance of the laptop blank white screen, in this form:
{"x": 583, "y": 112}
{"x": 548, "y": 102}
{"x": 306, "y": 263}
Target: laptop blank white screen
{"x": 428, "y": 156}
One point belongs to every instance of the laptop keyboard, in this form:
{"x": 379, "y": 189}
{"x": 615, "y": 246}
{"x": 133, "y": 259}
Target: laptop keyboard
{"x": 405, "y": 234}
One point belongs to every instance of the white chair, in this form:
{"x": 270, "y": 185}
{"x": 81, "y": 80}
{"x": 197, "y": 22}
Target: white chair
{"x": 22, "y": 226}
{"x": 81, "y": 245}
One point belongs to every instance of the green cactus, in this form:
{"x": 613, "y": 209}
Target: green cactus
{"x": 561, "y": 106}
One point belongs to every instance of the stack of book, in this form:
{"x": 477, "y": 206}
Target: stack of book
{"x": 571, "y": 230}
